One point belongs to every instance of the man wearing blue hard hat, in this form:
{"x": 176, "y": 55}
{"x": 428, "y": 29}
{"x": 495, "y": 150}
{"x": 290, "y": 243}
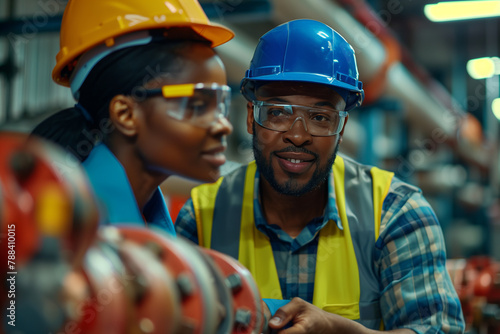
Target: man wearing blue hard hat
{"x": 334, "y": 246}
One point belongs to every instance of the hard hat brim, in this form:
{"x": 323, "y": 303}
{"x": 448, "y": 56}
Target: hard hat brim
{"x": 329, "y": 81}
{"x": 213, "y": 32}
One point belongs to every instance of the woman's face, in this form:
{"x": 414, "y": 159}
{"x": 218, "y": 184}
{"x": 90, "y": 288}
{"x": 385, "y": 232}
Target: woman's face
{"x": 174, "y": 146}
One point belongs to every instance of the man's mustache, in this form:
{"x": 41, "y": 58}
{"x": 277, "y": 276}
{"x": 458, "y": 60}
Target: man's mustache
{"x": 296, "y": 149}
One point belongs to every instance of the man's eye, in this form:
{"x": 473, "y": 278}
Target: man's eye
{"x": 320, "y": 118}
{"x": 275, "y": 112}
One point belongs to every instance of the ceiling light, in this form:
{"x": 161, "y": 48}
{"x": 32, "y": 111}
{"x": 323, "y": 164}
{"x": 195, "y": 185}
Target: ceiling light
{"x": 495, "y": 107}
{"x": 461, "y": 10}
{"x": 481, "y": 68}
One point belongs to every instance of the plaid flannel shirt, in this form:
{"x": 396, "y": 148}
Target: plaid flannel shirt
{"x": 415, "y": 289}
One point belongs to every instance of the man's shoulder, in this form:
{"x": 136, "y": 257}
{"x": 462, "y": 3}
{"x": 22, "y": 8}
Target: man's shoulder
{"x": 398, "y": 186}
{"x": 402, "y": 188}
{"x": 349, "y": 161}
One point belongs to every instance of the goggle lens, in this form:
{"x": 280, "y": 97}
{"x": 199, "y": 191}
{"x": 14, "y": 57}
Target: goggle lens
{"x": 198, "y": 104}
{"x": 282, "y": 117}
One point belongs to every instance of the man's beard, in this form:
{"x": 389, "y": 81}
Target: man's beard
{"x": 291, "y": 187}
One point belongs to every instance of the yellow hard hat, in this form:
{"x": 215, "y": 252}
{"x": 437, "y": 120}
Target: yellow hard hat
{"x": 88, "y": 23}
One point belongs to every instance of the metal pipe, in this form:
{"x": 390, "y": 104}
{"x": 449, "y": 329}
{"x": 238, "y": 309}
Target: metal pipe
{"x": 236, "y": 55}
{"x": 370, "y": 53}
{"x": 10, "y": 62}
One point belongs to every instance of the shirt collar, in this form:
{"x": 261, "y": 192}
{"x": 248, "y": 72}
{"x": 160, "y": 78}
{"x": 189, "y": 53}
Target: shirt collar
{"x": 112, "y": 187}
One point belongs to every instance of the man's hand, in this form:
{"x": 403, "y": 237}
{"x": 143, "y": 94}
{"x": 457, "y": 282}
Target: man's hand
{"x": 306, "y": 318}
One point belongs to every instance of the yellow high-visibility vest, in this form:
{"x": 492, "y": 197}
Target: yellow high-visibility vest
{"x": 345, "y": 280}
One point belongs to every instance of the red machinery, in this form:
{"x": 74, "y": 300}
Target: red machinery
{"x": 477, "y": 281}
{"x": 63, "y": 274}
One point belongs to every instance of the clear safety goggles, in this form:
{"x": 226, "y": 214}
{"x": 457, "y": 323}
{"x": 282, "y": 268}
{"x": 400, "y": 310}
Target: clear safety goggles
{"x": 282, "y": 117}
{"x": 199, "y": 104}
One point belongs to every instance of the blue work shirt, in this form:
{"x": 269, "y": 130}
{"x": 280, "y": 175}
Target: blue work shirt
{"x": 114, "y": 192}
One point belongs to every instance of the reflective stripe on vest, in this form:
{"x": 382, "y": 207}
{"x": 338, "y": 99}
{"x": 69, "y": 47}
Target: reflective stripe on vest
{"x": 345, "y": 280}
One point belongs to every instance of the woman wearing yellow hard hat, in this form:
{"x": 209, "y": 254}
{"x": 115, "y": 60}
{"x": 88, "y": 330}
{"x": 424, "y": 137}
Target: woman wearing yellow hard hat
{"x": 152, "y": 100}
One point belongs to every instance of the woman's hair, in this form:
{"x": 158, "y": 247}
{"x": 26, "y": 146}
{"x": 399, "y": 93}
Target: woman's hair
{"x": 126, "y": 71}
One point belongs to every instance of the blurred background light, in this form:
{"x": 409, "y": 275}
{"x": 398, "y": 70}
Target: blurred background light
{"x": 461, "y": 10}
{"x": 495, "y": 107}
{"x": 481, "y": 68}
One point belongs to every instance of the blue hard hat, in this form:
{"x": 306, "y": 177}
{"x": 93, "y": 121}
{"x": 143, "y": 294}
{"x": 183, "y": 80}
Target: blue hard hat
{"x": 305, "y": 51}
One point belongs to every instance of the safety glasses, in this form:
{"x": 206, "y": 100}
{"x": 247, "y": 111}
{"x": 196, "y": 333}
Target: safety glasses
{"x": 282, "y": 117}
{"x": 199, "y": 104}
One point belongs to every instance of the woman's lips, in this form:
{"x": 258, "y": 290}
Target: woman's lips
{"x": 215, "y": 156}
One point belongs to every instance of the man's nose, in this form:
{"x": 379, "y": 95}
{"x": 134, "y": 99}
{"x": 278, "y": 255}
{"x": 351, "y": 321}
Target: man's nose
{"x": 303, "y": 123}
{"x": 298, "y": 134}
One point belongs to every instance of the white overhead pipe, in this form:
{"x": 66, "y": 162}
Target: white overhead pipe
{"x": 370, "y": 54}
{"x": 237, "y": 54}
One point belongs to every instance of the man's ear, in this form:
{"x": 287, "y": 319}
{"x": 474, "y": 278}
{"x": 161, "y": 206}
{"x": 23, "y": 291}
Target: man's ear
{"x": 341, "y": 133}
{"x": 122, "y": 114}
{"x": 250, "y": 118}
